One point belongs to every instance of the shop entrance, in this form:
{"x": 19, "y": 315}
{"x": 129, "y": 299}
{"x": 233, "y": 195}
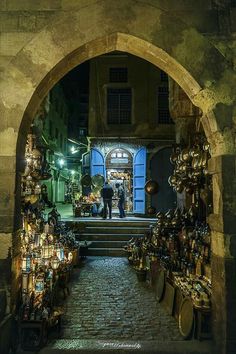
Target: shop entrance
{"x": 119, "y": 169}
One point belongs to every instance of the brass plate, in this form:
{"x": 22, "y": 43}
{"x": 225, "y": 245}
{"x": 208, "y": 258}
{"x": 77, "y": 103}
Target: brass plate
{"x": 186, "y": 318}
{"x": 98, "y": 180}
{"x": 86, "y": 180}
{"x": 169, "y": 297}
{"x": 160, "y": 286}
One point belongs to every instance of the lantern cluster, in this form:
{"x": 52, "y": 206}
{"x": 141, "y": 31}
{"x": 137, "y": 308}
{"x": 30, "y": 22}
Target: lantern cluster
{"x": 46, "y": 252}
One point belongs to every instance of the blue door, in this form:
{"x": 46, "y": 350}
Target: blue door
{"x": 97, "y": 163}
{"x": 86, "y": 171}
{"x": 139, "y": 175}
{"x": 86, "y": 163}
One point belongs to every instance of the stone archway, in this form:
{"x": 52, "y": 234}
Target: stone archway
{"x": 145, "y": 31}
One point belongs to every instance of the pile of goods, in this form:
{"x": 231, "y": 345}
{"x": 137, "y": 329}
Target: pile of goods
{"x": 190, "y": 166}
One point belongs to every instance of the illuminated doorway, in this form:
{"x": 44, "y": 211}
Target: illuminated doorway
{"x": 119, "y": 170}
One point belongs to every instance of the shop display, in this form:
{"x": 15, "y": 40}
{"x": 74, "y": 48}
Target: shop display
{"x": 46, "y": 250}
{"x": 178, "y": 245}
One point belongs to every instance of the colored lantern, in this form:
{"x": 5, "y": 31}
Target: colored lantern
{"x": 55, "y": 262}
{"x": 39, "y": 284}
{"x": 47, "y": 251}
{"x": 26, "y": 263}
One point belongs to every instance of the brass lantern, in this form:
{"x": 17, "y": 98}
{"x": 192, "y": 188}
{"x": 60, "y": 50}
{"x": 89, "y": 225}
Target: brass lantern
{"x": 39, "y": 283}
{"x": 47, "y": 251}
{"x": 55, "y": 262}
{"x": 26, "y": 263}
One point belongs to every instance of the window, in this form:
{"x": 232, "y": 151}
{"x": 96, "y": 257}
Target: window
{"x": 82, "y": 131}
{"x": 119, "y": 105}
{"x": 118, "y": 75}
{"x": 163, "y": 106}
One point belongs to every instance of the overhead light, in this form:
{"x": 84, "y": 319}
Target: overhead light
{"x": 61, "y": 162}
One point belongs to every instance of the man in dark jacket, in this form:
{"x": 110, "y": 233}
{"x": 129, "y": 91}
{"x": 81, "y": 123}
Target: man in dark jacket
{"x": 121, "y": 200}
{"x": 107, "y": 194}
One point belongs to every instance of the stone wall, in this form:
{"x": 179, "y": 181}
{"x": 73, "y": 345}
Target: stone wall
{"x": 191, "y": 40}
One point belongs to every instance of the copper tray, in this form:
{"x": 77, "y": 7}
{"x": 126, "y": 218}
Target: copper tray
{"x": 86, "y": 180}
{"x": 98, "y": 180}
{"x": 160, "y": 285}
{"x": 186, "y": 318}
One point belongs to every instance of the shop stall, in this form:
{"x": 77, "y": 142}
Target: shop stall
{"x": 48, "y": 253}
{"x": 175, "y": 255}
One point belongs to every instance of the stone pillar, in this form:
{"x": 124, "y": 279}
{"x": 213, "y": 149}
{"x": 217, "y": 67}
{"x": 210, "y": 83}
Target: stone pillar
{"x": 7, "y": 210}
{"x": 223, "y": 226}
{"x": 183, "y": 113}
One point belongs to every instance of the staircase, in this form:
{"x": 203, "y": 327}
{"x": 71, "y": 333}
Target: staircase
{"x": 109, "y": 236}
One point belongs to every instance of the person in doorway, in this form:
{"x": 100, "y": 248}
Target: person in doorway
{"x": 107, "y": 194}
{"x": 121, "y": 200}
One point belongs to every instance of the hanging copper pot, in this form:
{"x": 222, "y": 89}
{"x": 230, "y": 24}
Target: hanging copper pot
{"x": 204, "y": 159}
{"x": 185, "y": 156}
{"x": 98, "y": 180}
{"x": 183, "y": 167}
{"x": 206, "y": 146}
{"x": 176, "y": 170}
{"x": 195, "y": 162}
{"x": 86, "y": 181}
{"x": 151, "y": 210}
{"x": 151, "y": 187}
{"x": 179, "y": 188}
{"x": 189, "y": 189}
{"x": 173, "y": 157}
{"x": 172, "y": 180}
{"x": 194, "y": 151}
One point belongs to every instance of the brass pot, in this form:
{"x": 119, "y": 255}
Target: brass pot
{"x": 204, "y": 159}
{"x": 194, "y": 151}
{"x": 185, "y": 156}
{"x": 189, "y": 189}
{"x": 173, "y": 157}
{"x": 206, "y": 146}
{"x": 172, "y": 180}
{"x": 195, "y": 162}
{"x": 151, "y": 187}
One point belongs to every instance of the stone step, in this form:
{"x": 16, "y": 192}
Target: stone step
{"x": 78, "y": 346}
{"x": 107, "y": 244}
{"x": 107, "y": 237}
{"x": 115, "y": 230}
{"x": 108, "y": 252}
{"x": 110, "y": 223}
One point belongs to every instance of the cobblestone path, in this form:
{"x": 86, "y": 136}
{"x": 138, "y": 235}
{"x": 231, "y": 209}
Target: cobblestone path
{"x": 108, "y": 302}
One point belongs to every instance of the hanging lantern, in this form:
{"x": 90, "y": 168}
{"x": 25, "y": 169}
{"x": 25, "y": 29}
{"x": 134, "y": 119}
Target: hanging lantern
{"x": 26, "y": 263}
{"x": 70, "y": 257}
{"x": 59, "y": 251}
{"x": 25, "y": 279}
{"x": 39, "y": 283}
{"x": 55, "y": 262}
{"x": 47, "y": 251}
{"x": 37, "y": 189}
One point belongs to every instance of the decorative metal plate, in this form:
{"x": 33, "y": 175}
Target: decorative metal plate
{"x": 86, "y": 180}
{"x": 169, "y": 297}
{"x": 98, "y": 180}
{"x": 160, "y": 285}
{"x": 186, "y": 318}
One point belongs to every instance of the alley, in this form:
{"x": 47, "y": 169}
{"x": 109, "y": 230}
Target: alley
{"x": 107, "y": 302}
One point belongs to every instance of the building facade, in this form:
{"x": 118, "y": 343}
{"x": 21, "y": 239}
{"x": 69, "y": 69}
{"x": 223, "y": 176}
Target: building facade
{"x": 129, "y": 121}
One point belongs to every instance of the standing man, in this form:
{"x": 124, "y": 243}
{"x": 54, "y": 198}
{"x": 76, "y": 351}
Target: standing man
{"x": 121, "y": 200}
{"x": 107, "y": 194}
